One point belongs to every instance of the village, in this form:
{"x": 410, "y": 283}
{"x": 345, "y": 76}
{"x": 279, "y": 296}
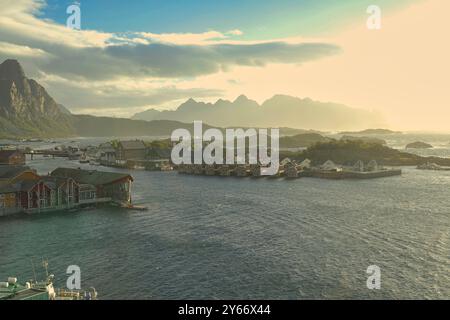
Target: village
{"x": 22, "y": 189}
{"x": 156, "y": 156}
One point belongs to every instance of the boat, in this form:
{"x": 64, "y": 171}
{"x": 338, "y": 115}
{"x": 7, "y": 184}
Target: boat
{"x": 41, "y": 290}
{"x": 84, "y": 159}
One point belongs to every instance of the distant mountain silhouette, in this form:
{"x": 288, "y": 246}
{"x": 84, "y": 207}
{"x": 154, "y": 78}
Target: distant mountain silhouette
{"x": 279, "y": 111}
{"x": 374, "y": 131}
{"x": 27, "y": 110}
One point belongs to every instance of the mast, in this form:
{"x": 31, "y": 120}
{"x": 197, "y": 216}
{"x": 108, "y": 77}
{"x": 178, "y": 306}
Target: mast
{"x": 45, "y": 265}
{"x": 34, "y": 270}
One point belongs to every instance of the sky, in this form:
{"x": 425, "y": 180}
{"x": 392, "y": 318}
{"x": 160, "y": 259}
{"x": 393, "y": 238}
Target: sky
{"x": 130, "y": 56}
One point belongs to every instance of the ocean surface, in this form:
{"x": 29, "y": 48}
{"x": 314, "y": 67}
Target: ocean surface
{"x": 245, "y": 238}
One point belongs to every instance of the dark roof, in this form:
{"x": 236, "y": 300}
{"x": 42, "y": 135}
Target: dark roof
{"x": 6, "y": 187}
{"x": 27, "y": 185}
{"x": 54, "y": 181}
{"x": 106, "y": 147}
{"x": 8, "y": 172}
{"x": 93, "y": 177}
{"x": 132, "y": 145}
{"x": 5, "y": 154}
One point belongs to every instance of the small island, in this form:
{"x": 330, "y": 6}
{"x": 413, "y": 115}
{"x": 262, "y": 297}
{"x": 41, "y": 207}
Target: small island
{"x": 419, "y": 145}
{"x": 372, "y": 131}
{"x": 364, "y": 139}
{"x": 303, "y": 140}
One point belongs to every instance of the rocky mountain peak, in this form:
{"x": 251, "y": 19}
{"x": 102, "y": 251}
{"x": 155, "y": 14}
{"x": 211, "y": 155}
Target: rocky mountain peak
{"x": 26, "y": 106}
{"x": 11, "y": 70}
{"x": 242, "y": 98}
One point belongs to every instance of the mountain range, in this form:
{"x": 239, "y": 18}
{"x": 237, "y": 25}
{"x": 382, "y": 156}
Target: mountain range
{"x": 28, "y": 111}
{"x": 278, "y": 111}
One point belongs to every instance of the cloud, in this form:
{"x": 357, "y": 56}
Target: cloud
{"x": 204, "y": 38}
{"x": 114, "y": 60}
{"x": 182, "y": 38}
{"x": 12, "y": 50}
{"x": 97, "y": 55}
{"x": 235, "y": 32}
{"x": 80, "y": 96}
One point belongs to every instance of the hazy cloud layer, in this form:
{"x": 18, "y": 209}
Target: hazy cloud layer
{"x": 44, "y": 47}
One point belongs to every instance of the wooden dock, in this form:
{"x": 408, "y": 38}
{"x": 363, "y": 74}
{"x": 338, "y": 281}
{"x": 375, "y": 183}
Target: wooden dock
{"x": 48, "y": 153}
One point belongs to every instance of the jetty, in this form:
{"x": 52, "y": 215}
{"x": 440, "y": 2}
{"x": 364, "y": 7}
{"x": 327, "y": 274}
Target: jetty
{"x": 48, "y": 153}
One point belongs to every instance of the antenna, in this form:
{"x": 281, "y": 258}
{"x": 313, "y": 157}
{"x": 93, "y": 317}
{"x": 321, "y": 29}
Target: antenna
{"x": 34, "y": 270}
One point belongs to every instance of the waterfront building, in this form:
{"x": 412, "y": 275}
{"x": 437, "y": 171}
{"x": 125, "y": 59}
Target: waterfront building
{"x": 12, "y": 157}
{"x": 330, "y": 166}
{"x": 305, "y": 164}
{"x": 107, "y": 157}
{"x": 134, "y": 149}
{"x": 109, "y": 186}
{"x": 291, "y": 171}
{"x": 11, "y": 174}
{"x": 373, "y": 166}
{"x": 106, "y": 154}
{"x": 285, "y": 161}
{"x": 22, "y": 190}
{"x": 37, "y": 194}
{"x": 358, "y": 166}
{"x": 256, "y": 170}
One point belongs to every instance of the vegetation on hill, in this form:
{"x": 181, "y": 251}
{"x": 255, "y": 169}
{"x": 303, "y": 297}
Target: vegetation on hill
{"x": 364, "y": 139}
{"x": 348, "y": 152}
{"x": 419, "y": 145}
{"x": 302, "y": 140}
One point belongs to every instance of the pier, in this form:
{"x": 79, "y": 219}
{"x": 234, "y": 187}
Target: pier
{"x": 48, "y": 153}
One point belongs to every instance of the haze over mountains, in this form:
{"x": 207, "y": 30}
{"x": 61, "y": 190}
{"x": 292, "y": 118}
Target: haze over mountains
{"x": 28, "y": 111}
{"x": 279, "y": 111}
